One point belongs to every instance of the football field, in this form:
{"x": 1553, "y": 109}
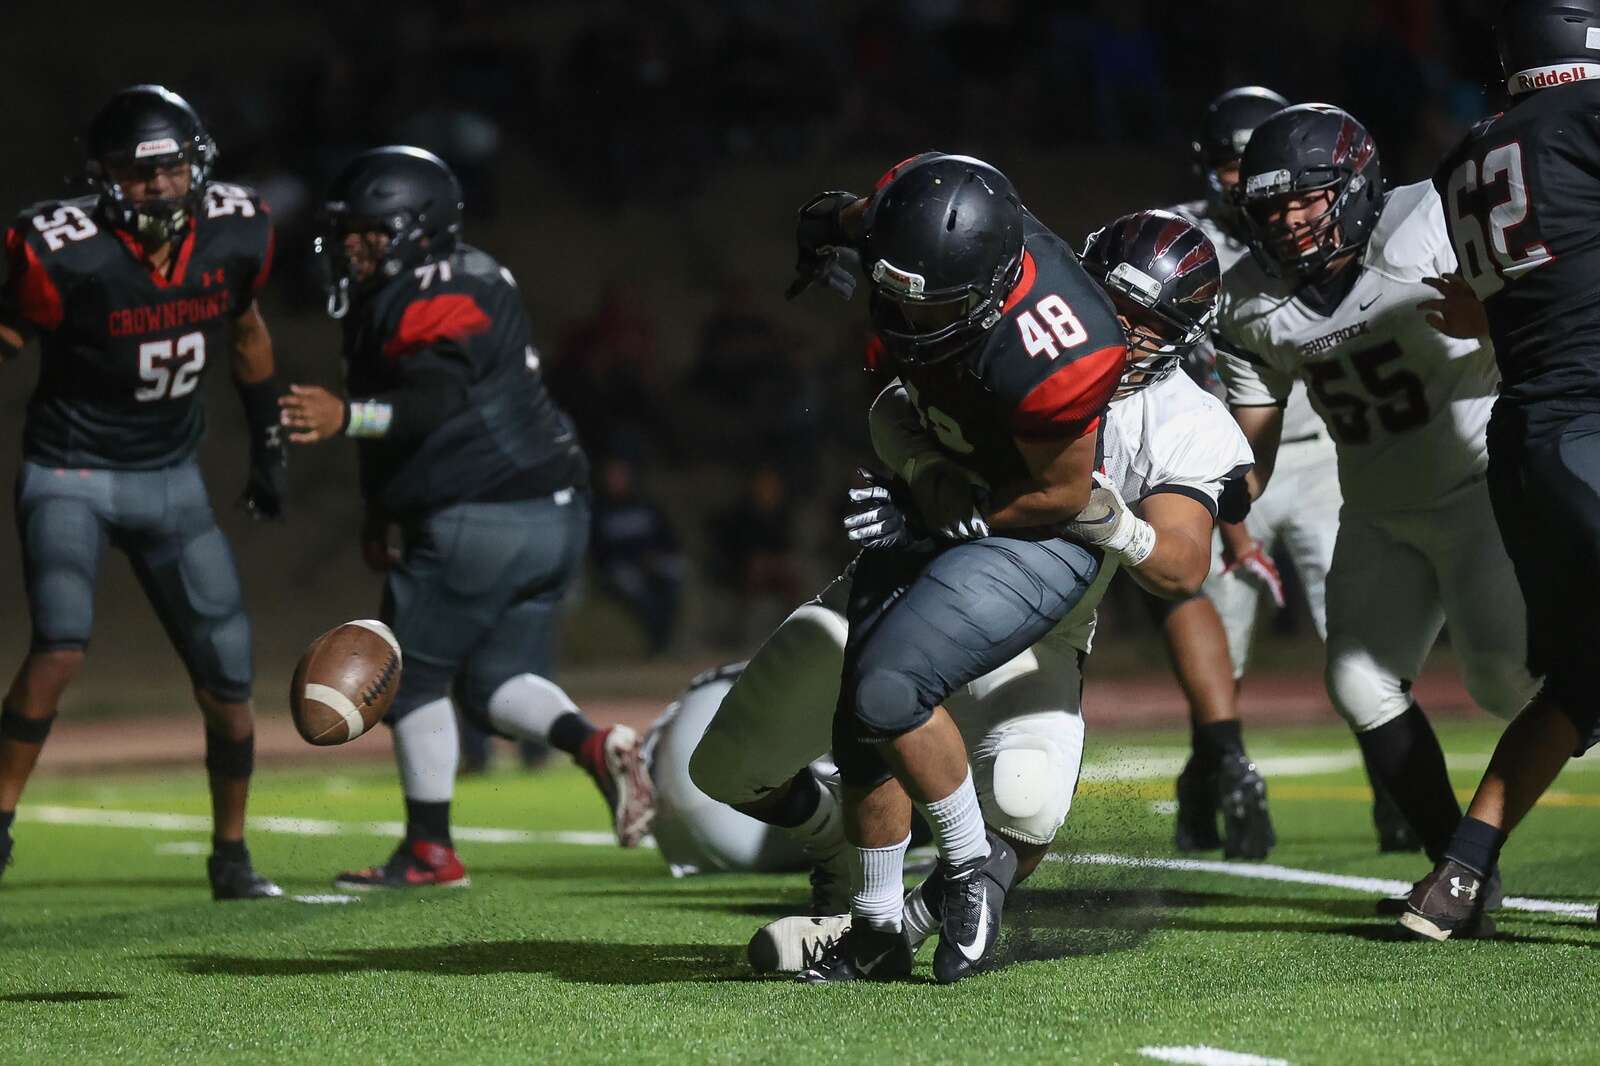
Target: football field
{"x": 568, "y": 949}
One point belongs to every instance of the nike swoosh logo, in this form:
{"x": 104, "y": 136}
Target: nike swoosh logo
{"x": 974, "y": 951}
{"x": 1370, "y": 302}
{"x": 866, "y": 966}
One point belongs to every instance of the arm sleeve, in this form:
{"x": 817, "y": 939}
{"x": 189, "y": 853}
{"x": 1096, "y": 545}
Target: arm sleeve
{"x": 1069, "y": 403}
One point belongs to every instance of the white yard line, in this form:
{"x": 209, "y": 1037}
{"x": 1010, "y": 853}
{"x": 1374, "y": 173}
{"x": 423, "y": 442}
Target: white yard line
{"x": 1291, "y": 875}
{"x": 1200, "y": 1055}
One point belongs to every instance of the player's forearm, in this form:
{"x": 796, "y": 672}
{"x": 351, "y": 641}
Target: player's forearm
{"x": 1035, "y": 506}
{"x": 1177, "y": 567}
{"x": 1262, "y": 428}
{"x": 253, "y": 360}
{"x": 403, "y": 414}
{"x": 11, "y": 342}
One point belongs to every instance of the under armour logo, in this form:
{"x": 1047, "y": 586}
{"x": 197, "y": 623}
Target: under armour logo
{"x": 1469, "y": 889}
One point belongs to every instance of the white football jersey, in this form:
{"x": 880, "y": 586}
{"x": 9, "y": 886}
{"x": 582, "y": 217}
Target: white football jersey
{"x": 1300, "y": 422}
{"x": 1406, "y": 405}
{"x": 1170, "y": 436}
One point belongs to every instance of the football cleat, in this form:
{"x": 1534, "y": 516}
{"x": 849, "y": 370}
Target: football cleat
{"x": 414, "y": 864}
{"x": 974, "y": 897}
{"x": 614, "y": 759}
{"x": 5, "y": 853}
{"x": 1197, "y": 809}
{"x": 790, "y": 945}
{"x": 860, "y": 953}
{"x": 830, "y": 887}
{"x": 1450, "y": 901}
{"x": 923, "y": 911}
{"x": 1493, "y": 898}
{"x": 237, "y": 879}
{"x": 1242, "y": 796}
{"x": 1394, "y": 832}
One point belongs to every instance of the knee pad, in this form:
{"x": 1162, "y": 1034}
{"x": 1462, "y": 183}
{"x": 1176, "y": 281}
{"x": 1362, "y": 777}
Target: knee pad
{"x": 421, "y": 683}
{"x": 1365, "y": 695}
{"x": 233, "y": 760}
{"x": 220, "y": 660}
{"x": 1026, "y": 775}
{"x": 888, "y": 704}
{"x": 1573, "y": 693}
{"x": 15, "y": 726}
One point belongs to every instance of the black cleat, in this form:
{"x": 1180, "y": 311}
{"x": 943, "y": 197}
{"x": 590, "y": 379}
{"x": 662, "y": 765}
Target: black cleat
{"x": 5, "y": 853}
{"x": 1394, "y": 832}
{"x": 1448, "y": 902}
{"x": 1242, "y": 796}
{"x": 1493, "y": 898}
{"x": 860, "y": 953}
{"x": 1197, "y": 808}
{"x": 974, "y": 897}
{"x": 237, "y": 879}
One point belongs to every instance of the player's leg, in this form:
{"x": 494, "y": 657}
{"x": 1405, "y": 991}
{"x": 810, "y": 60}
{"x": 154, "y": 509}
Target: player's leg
{"x": 917, "y": 634}
{"x": 1546, "y": 501}
{"x": 504, "y": 685}
{"x": 1383, "y": 617}
{"x": 164, "y": 522}
{"x": 776, "y": 720}
{"x": 60, "y": 528}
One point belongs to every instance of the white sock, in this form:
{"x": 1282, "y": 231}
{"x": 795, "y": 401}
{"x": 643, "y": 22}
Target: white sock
{"x": 957, "y": 824}
{"x": 526, "y": 706}
{"x": 918, "y": 921}
{"x": 427, "y": 749}
{"x": 879, "y": 899}
{"x": 822, "y": 834}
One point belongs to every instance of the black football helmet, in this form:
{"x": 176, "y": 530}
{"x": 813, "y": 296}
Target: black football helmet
{"x": 942, "y": 248}
{"x": 1161, "y": 271}
{"x": 407, "y": 193}
{"x": 1548, "y": 42}
{"x": 147, "y": 126}
{"x": 1224, "y": 131}
{"x": 1304, "y": 149}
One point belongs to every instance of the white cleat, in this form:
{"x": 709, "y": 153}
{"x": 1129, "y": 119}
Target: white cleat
{"x": 789, "y": 945}
{"x": 628, "y": 786}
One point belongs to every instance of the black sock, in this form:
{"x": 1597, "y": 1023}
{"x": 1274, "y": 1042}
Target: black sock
{"x": 568, "y": 732}
{"x": 800, "y": 801}
{"x": 1216, "y": 739}
{"x": 1476, "y": 845}
{"x": 428, "y": 821}
{"x": 229, "y": 850}
{"x": 1404, "y": 757}
{"x": 6, "y": 818}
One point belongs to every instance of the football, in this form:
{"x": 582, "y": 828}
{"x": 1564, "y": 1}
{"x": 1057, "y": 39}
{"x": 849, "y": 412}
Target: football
{"x": 345, "y": 682}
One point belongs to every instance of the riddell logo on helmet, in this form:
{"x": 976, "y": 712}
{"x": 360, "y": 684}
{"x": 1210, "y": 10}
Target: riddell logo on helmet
{"x": 1526, "y": 81}
{"x": 146, "y": 149}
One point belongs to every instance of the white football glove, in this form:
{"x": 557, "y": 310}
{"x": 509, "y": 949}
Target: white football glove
{"x": 876, "y": 520}
{"x": 1106, "y": 523}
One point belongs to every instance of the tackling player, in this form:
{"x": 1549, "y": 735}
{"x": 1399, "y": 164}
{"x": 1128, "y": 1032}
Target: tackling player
{"x": 463, "y": 450}
{"x": 1338, "y": 294}
{"x": 131, "y": 293}
{"x": 1523, "y": 208}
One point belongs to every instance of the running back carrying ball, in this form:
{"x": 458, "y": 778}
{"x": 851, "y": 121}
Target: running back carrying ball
{"x": 345, "y": 682}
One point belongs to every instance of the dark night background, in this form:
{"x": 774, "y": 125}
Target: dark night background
{"x": 637, "y": 166}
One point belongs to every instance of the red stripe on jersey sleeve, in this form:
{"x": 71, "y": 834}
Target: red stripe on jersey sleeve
{"x": 452, "y": 317}
{"x": 1069, "y": 402}
{"x": 33, "y": 292}
{"x": 1024, "y": 285}
{"x": 265, "y": 271}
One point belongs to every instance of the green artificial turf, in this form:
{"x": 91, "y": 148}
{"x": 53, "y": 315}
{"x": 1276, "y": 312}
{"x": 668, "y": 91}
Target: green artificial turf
{"x": 111, "y": 950}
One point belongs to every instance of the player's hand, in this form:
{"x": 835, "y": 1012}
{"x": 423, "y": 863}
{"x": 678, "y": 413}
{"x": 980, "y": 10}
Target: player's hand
{"x": 1255, "y": 566}
{"x": 822, "y": 245}
{"x": 876, "y": 519}
{"x": 1457, "y": 312}
{"x": 376, "y": 550}
{"x": 311, "y": 413}
{"x": 1107, "y": 523}
{"x": 948, "y": 503}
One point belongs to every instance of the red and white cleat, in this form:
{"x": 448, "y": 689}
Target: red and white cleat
{"x": 615, "y": 760}
{"x": 414, "y": 864}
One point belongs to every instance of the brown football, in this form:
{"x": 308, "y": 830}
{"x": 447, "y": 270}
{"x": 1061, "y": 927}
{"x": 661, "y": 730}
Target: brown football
{"x": 345, "y": 682}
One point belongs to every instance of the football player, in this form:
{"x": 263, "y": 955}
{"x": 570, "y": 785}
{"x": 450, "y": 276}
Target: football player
{"x": 1338, "y": 293}
{"x": 1300, "y": 512}
{"x": 1167, "y": 446}
{"x": 463, "y": 450}
{"x": 1523, "y": 210}
{"x": 132, "y": 292}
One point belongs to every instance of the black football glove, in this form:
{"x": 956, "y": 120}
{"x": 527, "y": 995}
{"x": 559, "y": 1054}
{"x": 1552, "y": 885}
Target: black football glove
{"x": 268, "y": 484}
{"x": 824, "y": 252}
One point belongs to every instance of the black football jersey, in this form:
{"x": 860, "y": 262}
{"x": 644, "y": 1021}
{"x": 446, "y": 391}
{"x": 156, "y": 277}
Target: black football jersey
{"x": 458, "y": 321}
{"x": 1046, "y": 370}
{"x": 124, "y": 349}
{"x": 1522, "y": 201}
